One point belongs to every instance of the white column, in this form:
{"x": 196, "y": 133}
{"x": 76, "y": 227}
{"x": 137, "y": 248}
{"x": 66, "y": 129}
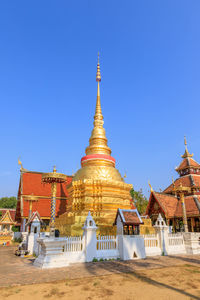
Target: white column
{"x": 90, "y": 238}
{"x": 162, "y": 231}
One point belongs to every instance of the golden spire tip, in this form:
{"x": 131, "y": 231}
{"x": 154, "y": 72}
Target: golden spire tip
{"x": 98, "y": 75}
{"x": 185, "y": 142}
{"x": 186, "y": 154}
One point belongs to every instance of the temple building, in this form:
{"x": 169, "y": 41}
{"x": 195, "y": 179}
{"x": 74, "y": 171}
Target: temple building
{"x": 97, "y": 186}
{"x": 34, "y": 195}
{"x": 179, "y": 203}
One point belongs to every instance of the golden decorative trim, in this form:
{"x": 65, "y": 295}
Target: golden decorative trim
{"x": 44, "y": 197}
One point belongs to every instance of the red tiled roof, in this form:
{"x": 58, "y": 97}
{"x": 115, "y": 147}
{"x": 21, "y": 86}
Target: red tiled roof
{"x": 129, "y": 216}
{"x": 187, "y": 162}
{"x": 43, "y": 206}
{"x": 172, "y": 205}
{"x": 190, "y": 205}
{"x": 32, "y": 185}
{"x": 167, "y": 203}
{"x": 187, "y": 181}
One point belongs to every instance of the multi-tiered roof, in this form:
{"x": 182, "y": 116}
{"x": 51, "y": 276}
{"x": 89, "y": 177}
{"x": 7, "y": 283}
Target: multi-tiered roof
{"x": 189, "y": 180}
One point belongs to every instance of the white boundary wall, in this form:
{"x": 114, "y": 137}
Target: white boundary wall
{"x": 60, "y": 252}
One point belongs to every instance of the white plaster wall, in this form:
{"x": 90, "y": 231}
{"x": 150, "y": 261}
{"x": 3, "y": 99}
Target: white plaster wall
{"x": 107, "y": 254}
{"x": 119, "y": 226}
{"x": 192, "y": 242}
{"x": 153, "y": 251}
{"x": 133, "y": 244}
{"x": 179, "y": 249}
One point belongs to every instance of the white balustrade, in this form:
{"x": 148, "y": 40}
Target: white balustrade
{"x": 151, "y": 244}
{"x": 150, "y": 240}
{"x": 106, "y": 242}
{"x": 175, "y": 239}
{"x": 73, "y": 244}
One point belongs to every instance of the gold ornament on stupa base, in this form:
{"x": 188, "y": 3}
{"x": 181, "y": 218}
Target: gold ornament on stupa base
{"x": 98, "y": 186}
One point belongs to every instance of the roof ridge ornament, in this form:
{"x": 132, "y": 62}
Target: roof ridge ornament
{"x": 186, "y": 154}
{"x": 150, "y": 186}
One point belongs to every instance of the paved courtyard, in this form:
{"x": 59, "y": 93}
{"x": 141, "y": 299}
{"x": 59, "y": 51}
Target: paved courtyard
{"x": 19, "y": 271}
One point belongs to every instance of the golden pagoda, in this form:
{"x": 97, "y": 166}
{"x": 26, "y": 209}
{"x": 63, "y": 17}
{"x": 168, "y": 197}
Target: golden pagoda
{"x": 97, "y": 186}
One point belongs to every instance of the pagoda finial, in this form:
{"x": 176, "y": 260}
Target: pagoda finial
{"x": 98, "y": 75}
{"x": 98, "y": 140}
{"x": 186, "y": 154}
{"x": 98, "y": 103}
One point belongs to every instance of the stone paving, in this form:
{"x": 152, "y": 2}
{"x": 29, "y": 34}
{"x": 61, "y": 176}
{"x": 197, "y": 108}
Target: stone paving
{"x": 19, "y": 271}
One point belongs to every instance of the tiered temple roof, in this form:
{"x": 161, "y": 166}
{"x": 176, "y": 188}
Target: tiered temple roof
{"x": 168, "y": 201}
{"x": 171, "y": 206}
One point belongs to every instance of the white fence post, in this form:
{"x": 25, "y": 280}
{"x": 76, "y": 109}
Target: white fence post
{"x": 162, "y": 230}
{"x": 90, "y": 238}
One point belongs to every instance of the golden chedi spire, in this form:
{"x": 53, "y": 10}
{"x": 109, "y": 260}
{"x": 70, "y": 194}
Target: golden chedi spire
{"x": 98, "y": 140}
{"x": 186, "y": 154}
{"x": 98, "y": 162}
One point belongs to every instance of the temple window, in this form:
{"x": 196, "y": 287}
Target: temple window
{"x": 125, "y": 230}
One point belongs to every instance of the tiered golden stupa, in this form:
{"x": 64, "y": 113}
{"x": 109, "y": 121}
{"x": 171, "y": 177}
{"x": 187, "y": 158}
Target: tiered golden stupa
{"x": 98, "y": 186}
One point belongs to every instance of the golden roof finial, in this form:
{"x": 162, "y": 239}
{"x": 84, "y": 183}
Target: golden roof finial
{"x": 186, "y": 154}
{"x": 20, "y": 163}
{"x": 98, "y": 140}
{"x": 185, "y": 142}
{"x": 150, "y": 186}
{"x": 54, "y": 169}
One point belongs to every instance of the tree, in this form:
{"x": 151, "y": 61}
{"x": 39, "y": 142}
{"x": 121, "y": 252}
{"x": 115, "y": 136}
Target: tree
{"x": 8, "y": 202}
{"x": 139, "y": 200}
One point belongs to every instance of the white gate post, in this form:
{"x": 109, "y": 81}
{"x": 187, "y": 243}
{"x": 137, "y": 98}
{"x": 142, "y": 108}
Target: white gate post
{"x": 90, "y": 238}
{"x": 162, "y": 232}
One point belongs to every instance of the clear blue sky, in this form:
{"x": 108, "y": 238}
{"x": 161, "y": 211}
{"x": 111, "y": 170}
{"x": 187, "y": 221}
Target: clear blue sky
{"x": 150, "y": 90}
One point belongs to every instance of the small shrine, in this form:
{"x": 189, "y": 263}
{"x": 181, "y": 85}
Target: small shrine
{"x": 34, "y": 223}
{"x": 128, "y": 221}
{"x": 7, "y": 220}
